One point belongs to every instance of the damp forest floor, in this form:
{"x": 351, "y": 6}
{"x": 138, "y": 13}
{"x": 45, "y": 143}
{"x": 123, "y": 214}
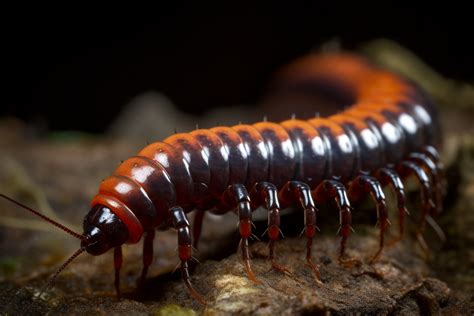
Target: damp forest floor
{"x": 59, "y": 173}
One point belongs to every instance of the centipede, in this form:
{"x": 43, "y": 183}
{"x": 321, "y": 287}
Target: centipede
{"x": 386, "y": 130}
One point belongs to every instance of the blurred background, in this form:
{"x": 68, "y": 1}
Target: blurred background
{"x": 78, "y": 68}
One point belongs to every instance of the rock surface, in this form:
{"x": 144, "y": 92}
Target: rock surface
{"x": 397, "y": 284}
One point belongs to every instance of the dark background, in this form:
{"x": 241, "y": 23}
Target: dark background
{"x": 75, "y": 68}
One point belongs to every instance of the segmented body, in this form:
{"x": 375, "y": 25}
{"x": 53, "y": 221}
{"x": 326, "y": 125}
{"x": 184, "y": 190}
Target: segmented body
{"x": 388, "y": 131}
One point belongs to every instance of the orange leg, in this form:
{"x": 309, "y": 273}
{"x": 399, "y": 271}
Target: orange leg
{"x": 334, "y": 190}
{"x": 185, "y": 249}
{"x": 388, "y": 176}
{"x": 236, "y": 196}
{"x": 147, "y": 253}
{"x": 363, "y": 185}
{"x": 118, "y": 259}
{"x": 296, "y": 191}
{"x": 266, "y": 193}
{"x": 407, "y": 168}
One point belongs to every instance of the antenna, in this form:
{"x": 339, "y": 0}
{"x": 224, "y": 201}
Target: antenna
{"x": 61, "y": 268}
{"x": 46, "y": 218}
{"x": 60, "y": 226}
{"x": 51, "y": 280}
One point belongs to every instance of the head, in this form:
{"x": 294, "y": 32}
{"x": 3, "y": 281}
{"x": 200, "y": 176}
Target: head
{"x": 103, "y": 230}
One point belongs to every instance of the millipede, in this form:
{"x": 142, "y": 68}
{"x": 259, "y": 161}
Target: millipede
{"x": 386, "y": 131}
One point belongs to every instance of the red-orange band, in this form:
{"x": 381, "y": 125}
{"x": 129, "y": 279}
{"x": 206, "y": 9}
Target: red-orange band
{"x": 135, "y": 229}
